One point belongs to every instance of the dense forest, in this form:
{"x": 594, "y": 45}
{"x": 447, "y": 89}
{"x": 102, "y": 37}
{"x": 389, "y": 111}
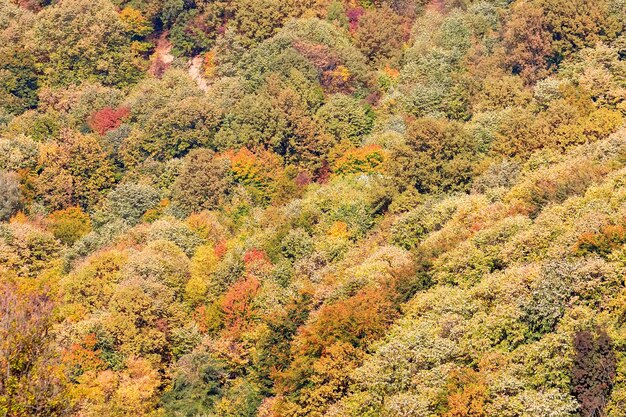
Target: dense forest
{"x": 289, "y": 208}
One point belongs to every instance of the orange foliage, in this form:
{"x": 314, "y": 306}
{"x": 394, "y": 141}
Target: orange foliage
{"x": 358, "y": 320}
{"x": 82, "y": 357}
{"x": 392, "y": 73}
{"x": 257, "y": 170}
{"x": 367, "y": 159}
{"x": 209, "y": 64}
{"x": 237, "y": 305}
{"x": 221, "y": 248}
{"x": 467, "y": 393}
{"x": 255, "y": 256}
{"x": 603, "y": 242}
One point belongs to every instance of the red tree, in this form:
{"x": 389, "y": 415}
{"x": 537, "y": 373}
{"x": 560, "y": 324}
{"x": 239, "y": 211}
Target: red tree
{"x": 107, "y": 119}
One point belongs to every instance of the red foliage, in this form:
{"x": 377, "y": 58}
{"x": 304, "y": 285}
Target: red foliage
{"x": 354, "y": 15}
{"x": 303, "y": 179}
{"x": 323, "y": 175}
{"x": 255, "y": 257}
{"x": 107, "y": 119}
{"x": 237, "y": 305}
{"x": 593, "y": 371}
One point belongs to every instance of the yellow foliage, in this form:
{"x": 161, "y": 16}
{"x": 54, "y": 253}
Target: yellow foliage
{"x": 209, "y": 64}
{"x": 203, "y": 265}
{"x": 132, "y": 392}
{"x": 19, "y": 218}
{"x": 339, "y": 229}
{"x": 135, "y": 22}
{"x": 341, "y": 72}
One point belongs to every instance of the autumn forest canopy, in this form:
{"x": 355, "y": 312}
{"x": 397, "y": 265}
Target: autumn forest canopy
{"x": 312, "y": 208}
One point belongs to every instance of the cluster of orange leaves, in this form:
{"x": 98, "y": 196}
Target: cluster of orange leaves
{"x": 603, "y": 242}
{"x": 367, "y": 159}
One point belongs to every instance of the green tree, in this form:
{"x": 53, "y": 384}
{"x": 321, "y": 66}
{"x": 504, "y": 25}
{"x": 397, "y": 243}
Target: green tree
{"x": 85, "y": 40}
{"x": 345, "y": 118}
{"x": 438, "y": 156}
{"x": 204, "y": 182}
{"x": 575, "y": 24}
{"x": 130, "y": 201}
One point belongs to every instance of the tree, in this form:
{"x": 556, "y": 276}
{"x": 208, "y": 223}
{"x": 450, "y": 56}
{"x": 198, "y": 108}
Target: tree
{"x": 19, "y": 80}
{"x": 107, "y": 119}
{"x": 257, "y": 20}
{"x": 199, "y": 380}
{"x": 85, "y": 40}
{"x": 204, "y": 182}
{"x": 74, "y": 171}
{"x": 10, "y": 194}
{"x": 368, "y": 159}
{"x": 576, "y": 24}
{"x": 528, "y": 40}
{"x": 467, "y": 394}
{"x": 345, "y": 118}
{"x": 69, "y": 225}
{"x": 593, "y": 371}
{"x": 19, "y": 75}
{"x": 175, "y": 129}
{"x": 438, "y": 156}
{"x": 32, "y": 382}
{"x": 254, "y": 122}
{"x": 380, "y": 34}
{"x": 237, "y": 306}
{"x": 130, "y": 201}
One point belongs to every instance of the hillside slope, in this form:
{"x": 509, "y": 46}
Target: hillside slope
{"x": 272, "y": 208}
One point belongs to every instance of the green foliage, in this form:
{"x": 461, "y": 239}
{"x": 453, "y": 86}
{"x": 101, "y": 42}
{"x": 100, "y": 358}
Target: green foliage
{"x": 549, "y": 297}
{"x": 438, "y": 156}
{"x": 575, "y": 25}
{"x": 10, "y": 194}
{"x": 85, "y": 40}
{"x": 204, "y": 181}
{"x": 130, "y": 201}
{"x": 312, "y": 208}
{"x": 69, "y": 225}
{"x": 297, "y": 244}
{"x": 174, "y": 130}
{"x": 345, "y": 119}
{"x": 411, "y": 227}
